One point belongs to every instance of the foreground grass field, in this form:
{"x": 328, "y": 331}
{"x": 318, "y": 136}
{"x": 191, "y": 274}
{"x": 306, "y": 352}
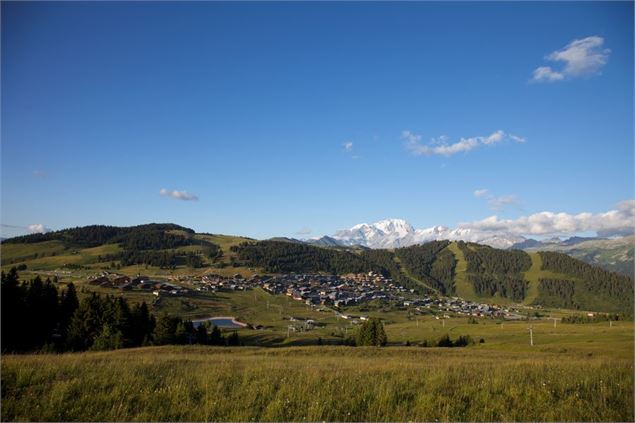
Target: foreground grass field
{"x": 318, "y": 384}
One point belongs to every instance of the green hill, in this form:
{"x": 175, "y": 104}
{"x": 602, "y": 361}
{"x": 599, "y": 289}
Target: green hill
{"x": 467, "y": 270}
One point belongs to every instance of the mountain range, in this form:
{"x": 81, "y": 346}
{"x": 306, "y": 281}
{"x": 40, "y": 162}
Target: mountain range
{"x": 395, "y": 233}
{"x": 613, "y": 254}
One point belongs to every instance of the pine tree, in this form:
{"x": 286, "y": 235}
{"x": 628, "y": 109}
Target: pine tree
{"x": 142, "y": 324}
{"x": 184, "y": 333}
{"x": 215, "y": 337}
{"x": 122, "y": 321}
{"x": 165, "y": 332}
{"x": 201, "y": 334}
{"x": 13, "y": 311}
{"x": 68, "y": 304}
{"x": 108, "y": 339}
{"x": 233, "y": 340}
{"x": 371, "y": 333}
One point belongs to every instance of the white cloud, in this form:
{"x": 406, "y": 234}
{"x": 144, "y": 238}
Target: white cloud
{"x": 497, "y": 203}
{"x": 38, "y": 228}
{"x": 500, "y": 203}
{"x": 545, "y": 73}
{"x": 304, "y": 231}
{"x": 479, "y": 193}
{"x": 40, "y": 174}
{"x": 348, "y": 146}
{"x": 516, "y": 138}
{"x": 178, "y": 195}
{"x": 580, "y": 58}
{"x": 619, "y": 221}
{"x": 497, "y": 136}
{"x": 441, "y": 146}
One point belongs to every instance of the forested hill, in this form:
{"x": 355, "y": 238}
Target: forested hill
{"x": 162, "y": 245}
{"x": 466, "y": 270}
{"x": 462, "y": 269}
{"x": 155, "y": 235}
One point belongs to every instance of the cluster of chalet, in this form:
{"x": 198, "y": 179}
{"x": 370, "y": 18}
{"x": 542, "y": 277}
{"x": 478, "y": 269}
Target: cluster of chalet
{"x": 334, "y": 290}
{"x": 211, "y": 282}
{"x": 126, "y": 283}
{"x": 314, "y": 289}
{"x": 460, "y": 306}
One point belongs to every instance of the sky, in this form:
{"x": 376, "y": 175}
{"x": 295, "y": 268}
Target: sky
{"x": 299, "y": 119}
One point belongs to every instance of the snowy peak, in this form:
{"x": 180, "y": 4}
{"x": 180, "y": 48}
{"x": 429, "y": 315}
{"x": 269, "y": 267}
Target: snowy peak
{"x": 395, "y": 233}
{"x": 394, "y": 226}
{"x": 386, "y": 233}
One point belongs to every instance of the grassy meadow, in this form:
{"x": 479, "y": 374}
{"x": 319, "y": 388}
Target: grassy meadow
{"x": 580, "y": 372}
{"x": 318, "y": 384}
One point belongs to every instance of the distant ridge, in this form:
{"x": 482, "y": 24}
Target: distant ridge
{"x": 615, "y": 254}
{"x": 286, "y": 239}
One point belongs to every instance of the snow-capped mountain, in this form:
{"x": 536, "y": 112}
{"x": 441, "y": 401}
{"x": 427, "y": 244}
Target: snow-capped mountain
{"x": 394, "y": 233}
{"x": 389, "y": 233}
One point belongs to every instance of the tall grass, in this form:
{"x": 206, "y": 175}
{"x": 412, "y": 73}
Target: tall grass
{"x": 316, "y": 384}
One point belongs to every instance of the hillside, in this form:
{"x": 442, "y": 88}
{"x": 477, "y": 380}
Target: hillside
{"x": 473, "y": 271}
{"x": 468, "y": 270}
{"x": 152, "y": 249}
{"x": 617, "y": 255}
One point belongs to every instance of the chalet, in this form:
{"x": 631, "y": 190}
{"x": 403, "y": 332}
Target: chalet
{"x": 121, "y": 281}
{"x": 99, "y": 281}
{"x": 139, "y": 280}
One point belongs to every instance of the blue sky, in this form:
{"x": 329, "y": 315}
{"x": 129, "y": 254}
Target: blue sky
{"x": 250, "y": 108}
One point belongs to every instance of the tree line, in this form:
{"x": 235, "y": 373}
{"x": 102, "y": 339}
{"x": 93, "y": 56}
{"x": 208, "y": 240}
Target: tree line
{"x": 443, "y": 269}
{"x": 483, "y": 259}
{"x": 596, "y": 279}
{"x": 427, "y": 264}
{"x": 557, "y": 293}
{"x": 492, "y": 271}
{"x": 162, "y": 259}
{"x": 37, "y": 316}
{"x": 288, "y": 257}
{"x": 390, "y": 268}
{"x": 487, "y": 285}
{"x": 95, "y": 235}
{"x": 596, "y": 318}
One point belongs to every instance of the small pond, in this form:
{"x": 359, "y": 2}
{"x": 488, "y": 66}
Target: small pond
{"x": 221, "y": 322}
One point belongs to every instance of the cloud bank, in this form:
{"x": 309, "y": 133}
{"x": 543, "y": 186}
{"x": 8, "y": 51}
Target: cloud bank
{"x": 620, "y": 221}
{"x": 441, "y": 146}
{"x": 178, "y": 195}
{"x": 579, "y": 58}
{"x": 38, "y": 228}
